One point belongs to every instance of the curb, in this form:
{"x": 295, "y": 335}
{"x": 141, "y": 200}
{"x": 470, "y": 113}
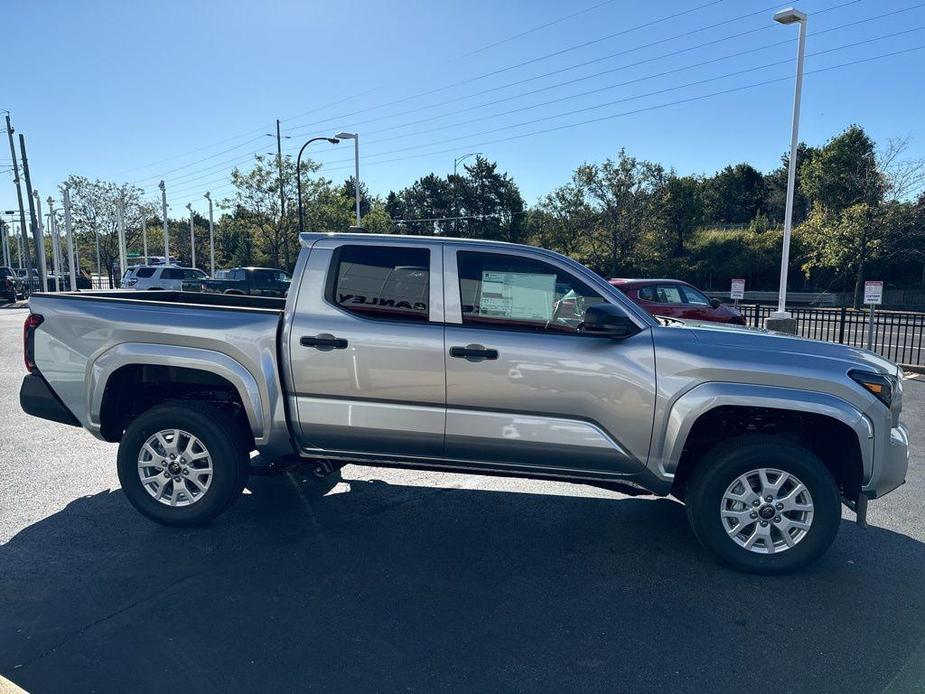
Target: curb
{"x": 16, "y": 304}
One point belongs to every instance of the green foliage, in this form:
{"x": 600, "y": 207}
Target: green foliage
{"x": 734, "y": 195}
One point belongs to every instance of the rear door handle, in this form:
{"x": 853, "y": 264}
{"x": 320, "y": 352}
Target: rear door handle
{"x": 324, "y": 342}
{"x": 473, "y": 353}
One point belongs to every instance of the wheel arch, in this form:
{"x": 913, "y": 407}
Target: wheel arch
{"x": 187, "y": 368}
{"x": 833, "y": 429}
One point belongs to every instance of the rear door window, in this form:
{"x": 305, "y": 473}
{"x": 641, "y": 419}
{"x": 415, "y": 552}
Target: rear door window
{"x": 144, "y": 272}
{"x": 381, "y": 282}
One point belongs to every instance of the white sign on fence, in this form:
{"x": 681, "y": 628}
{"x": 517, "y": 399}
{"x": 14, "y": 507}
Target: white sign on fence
{"x": 873, "y": 292}
{"x": 737, "y": 291}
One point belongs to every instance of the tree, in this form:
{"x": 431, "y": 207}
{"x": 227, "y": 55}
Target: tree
{"x": 377, "y": 220}
{"x": 681, "y": 209}
{"x": 490, "y": 201}
{"x": 734, "y": 195}
{"x": 776, "y": 183}
{"x": 623, "y": 194}
{"x": 848, "y": 226}
{"x": 844, "y": 173}
{"x": 256, "y": 204}
{"x": 95, "y": 209}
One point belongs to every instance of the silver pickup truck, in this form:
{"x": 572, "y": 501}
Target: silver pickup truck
{"x": 479, "y": 357}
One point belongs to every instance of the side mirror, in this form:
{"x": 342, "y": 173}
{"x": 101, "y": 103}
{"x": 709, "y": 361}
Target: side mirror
{"x": 610, "y": 321}
{"x": 715, "y": 303}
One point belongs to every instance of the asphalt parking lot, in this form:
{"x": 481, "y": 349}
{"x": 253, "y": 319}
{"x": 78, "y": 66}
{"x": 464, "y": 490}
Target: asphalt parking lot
{"x": 421, "y": 582}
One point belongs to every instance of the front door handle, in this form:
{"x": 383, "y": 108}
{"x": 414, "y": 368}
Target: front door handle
{"x": 324, "y": 342}
{"x": 473, "y": 353}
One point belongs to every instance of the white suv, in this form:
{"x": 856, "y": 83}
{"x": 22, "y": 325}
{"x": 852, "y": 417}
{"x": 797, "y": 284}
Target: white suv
{"x": 149, "y": 277}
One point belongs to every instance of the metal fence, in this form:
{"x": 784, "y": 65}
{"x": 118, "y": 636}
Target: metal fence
{"x": 897, "y": 334}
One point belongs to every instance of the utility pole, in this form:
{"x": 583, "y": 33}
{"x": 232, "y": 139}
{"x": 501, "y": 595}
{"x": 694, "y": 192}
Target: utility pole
{"x": 144, "y": 236}
{"x": 71, "y": 258}
{"x": 211, "y": 239}
{"x": 279, "y": 167}
{"x": 23, "y": 243}
{"x": 164, "y": 217}
{"x": 123, "y": 259}
{"x": 55, "y": 254}
{"x": 5, "y": 239}
{"x": 38, "y": 232}
{"x": 192, "y": 236}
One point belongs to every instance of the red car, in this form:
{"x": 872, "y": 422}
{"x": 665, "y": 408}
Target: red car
{"x": 677, "y": 299}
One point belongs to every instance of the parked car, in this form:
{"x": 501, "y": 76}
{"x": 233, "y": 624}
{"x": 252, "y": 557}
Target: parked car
{"x": 460, "y": 355}
{"x": 255, "y": 281}
{"x": 154, "y": 277}
{"x": 11, "y": 286}
{"x": 677, "y": 299}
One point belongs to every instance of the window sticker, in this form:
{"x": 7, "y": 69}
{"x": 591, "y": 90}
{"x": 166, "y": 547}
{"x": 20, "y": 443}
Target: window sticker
{"x": 517, "y": 295}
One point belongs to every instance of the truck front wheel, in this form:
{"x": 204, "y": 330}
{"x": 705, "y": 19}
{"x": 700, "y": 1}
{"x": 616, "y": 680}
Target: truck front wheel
{"x": 181, "y": 463}
{"x": 763, "y": 505}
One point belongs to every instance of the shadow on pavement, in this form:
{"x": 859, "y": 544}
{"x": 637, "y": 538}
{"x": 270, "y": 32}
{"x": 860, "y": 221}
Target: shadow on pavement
{"x": 392, "y": 588}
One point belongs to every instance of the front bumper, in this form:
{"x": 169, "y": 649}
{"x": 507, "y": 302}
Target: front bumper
{"x": 890, "y": 469}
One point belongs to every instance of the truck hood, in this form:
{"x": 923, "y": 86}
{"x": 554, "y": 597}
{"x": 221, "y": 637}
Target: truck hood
{"x": 736, "y": 337}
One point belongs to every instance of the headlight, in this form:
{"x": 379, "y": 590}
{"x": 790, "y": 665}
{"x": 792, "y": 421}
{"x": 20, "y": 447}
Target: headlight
{"x": 879, "y": 385}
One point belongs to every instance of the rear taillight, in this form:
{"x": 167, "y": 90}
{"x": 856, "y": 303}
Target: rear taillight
{"x": 33, "y": 320}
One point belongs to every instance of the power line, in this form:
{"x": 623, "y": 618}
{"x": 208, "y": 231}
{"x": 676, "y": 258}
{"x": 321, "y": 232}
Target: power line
{"x": 199, "y": 175}
{"x": 568, "y": 68}
{"x": 360, "y": 94}
{"x": 646, "y": 108}
{"x": 647, "y": 94}
{"x": 536, "y": 29}
{"x": 612, "y": 116}
{"x": 624, "y": 67}
{"x": 248, "y": 156}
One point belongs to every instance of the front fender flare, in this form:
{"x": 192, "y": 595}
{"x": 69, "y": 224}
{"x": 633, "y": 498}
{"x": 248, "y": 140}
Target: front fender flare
{"x": 684, "y": 411}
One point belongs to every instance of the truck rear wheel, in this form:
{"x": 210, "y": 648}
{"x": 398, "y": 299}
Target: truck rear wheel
{"x": 763, "y": 505}
{"x": 182, "y": 464}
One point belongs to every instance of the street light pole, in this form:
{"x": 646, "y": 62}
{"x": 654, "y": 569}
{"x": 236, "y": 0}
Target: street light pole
{"x": 55, "y": 250}
{"x": 71, "y": 258}
{"x": 356, "y": 158}
{"x": 298, "y": 176}
{"x": 192, "y": 236}
{"x": 144, "y": 236}
{"x": 791, "y": 16}
{"x": 164, "y": 217}
{"x": 211, "y": 239}
{"x": 123, "y": 255}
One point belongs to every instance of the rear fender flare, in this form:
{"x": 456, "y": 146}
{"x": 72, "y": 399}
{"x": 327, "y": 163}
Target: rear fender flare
{"x": 130, "y": 353}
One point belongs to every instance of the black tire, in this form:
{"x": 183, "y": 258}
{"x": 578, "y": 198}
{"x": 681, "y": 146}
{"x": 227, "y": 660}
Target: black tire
{"x": 722, "y": 465}
{"x": 220, "y": 437}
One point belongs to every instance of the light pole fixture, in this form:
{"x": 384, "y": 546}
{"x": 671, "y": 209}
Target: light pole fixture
{"x": 208, "y": 197}
{"x": 192, "y": 236}
{"x": 298, "y": 177}
{"x": 791, "y": 16}
{"x": 356, "y": 158}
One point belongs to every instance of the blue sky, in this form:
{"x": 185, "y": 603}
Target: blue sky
{"x": 139, "y": 91}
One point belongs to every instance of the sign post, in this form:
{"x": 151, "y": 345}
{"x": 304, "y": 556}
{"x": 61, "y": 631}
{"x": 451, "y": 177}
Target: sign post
{"x": 737, "y": 291}
{"x": 873, "y": 295}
